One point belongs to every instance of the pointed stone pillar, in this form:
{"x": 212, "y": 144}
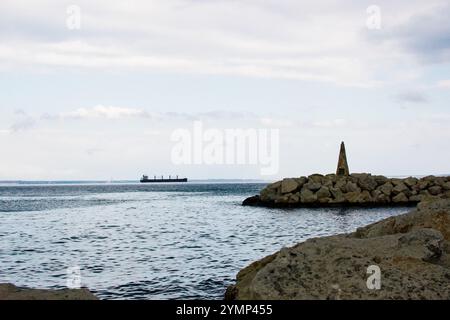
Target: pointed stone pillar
{"x": 342, "y": 167}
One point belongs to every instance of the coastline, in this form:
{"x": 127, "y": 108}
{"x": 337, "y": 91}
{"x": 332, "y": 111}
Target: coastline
{"x": 11, "y": 292}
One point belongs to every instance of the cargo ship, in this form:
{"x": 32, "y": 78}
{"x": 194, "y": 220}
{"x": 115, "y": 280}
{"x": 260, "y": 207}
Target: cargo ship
{"x": 145, "y": 179}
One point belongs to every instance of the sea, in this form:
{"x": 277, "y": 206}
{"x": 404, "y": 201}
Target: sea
{"x": 150, "y": 241}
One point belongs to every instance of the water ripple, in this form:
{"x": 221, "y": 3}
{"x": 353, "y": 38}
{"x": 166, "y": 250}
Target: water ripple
{"x": 184, "y": 241}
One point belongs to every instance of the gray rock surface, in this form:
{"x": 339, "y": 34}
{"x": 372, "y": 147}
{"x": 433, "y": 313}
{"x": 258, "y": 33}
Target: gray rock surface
{"x": 412, "y": 252}
{"x": 11, "y": 292}
{"x": 288, "y": 185}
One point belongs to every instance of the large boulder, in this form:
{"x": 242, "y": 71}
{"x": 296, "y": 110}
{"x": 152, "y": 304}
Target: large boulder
{"x": 367, "y": 182}
{"x": 380, "y": 180}
{"x": 307, "y": 196}
{"x": 435, "y": 190}
{"x": 352, "y": 197}
{"x": 271, "y": 192}
{"x": 423, "y": 184}
{"x": 288, "y": 185}
{"x": 313, "y": 186}
{"x": 386, "y": 188}
{"x": 400, "y": 198}
{"x": 341, "y": 184}
{"x": 316, "y": 178}
{"x": 323, "y": 192}
{"x": 352, "y": 187}
{"x": 252, "y": 201}
{"x": 399, "y": 188}
{"x": 411, "y": 251}
{"x": 411, "y": 182}
{"x": 301, "y": 181}
{"x": 338, "y": 195}
{"x": 379, "y": 197}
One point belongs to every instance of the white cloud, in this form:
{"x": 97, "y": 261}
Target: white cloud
{"x": 108, "y": 112}
{"x": 320, "y": 41}
{"x": 276, "y": 122}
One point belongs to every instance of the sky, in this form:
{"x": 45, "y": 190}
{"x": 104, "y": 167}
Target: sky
{"x": 94, "y": 90}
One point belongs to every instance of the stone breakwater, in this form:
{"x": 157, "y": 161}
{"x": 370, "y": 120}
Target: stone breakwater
{"x": 357, "y": 189}
{"x": 412, "y": 252}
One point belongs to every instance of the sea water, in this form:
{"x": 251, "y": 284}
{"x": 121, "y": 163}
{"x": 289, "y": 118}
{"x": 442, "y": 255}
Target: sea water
{"x": 151, "y": 241}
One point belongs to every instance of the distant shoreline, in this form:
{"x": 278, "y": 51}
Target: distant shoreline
{"x": 84, "y": 182}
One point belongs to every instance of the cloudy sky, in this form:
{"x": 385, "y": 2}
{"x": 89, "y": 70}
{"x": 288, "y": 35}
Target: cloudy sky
{"x": 101, "y": 101}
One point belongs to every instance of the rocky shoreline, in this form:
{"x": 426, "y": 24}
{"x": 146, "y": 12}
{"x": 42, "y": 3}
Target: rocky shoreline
{"x": 411, "y": 252}
{"x": 11, "y": 292}
{"x": 357, "y": 189}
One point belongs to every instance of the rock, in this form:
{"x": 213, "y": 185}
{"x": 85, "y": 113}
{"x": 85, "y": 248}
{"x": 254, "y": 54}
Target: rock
{"x": 288, "y": 185}
{"x": 325, "y": 200}
{"x": 294, "y": 198}
{"x": 327, "y": 182}
{"x": 428, "y": 243}
{"x": 307, "y": 196}
{"x": 379, "y": 197}
{"x": 367, "y": 183}
{"x": 332, "y": 177}
{"x": 341, "y": 184}
{"x": 380, "y": 180}
{"x": 410, "y": 182}
{"x": 271, "y": 192}
{"x": 317, "y": 178}
{"x": 399, "y": 188}
{"x": 365, "y": 197}
{"x": 323, "y": 192}
{"x": 358, "y": 197}
{"x": 422, "y": 184}
{"x": 435, "y": 190}
{"x": 313, "y": 186}
{"x": 400, "y": 198}
{"x": 386, "y": 188}
{"x": 11, "y": 292}
{"x": 440, "y": 181}
{"x": 252, "y": 201}
{"x": 415, "y": 198}
{"x": 352, "y": 197}
{"x": 336, "y": 193}
{"x": 352, "y": 187}
{"x": 267, "y": 194}
{"x": 412, "y": 251}
{"x": 301, "y": 182}
{"x": 284, "y": 199}
{"x": 359, "y": 176}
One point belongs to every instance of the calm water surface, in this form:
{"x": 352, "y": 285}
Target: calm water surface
{"x": 153, "y": 241}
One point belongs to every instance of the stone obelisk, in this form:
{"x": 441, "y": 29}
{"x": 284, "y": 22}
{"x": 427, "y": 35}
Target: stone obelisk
{"x": 342, "y": 167}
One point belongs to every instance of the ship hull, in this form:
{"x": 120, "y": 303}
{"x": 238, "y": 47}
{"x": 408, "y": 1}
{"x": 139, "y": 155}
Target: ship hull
{"x": 163, "y": 180}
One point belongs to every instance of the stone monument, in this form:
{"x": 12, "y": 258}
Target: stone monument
{"x": 342, "y": 167}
